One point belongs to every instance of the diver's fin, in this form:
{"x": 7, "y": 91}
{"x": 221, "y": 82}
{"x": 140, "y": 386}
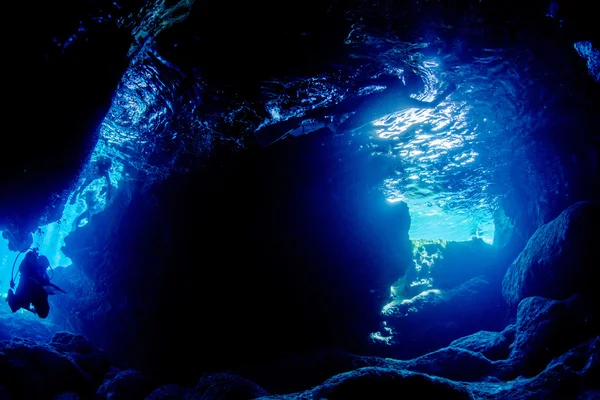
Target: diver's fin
{"x": 267, "y": 135}
{"x": 52, "y": 289}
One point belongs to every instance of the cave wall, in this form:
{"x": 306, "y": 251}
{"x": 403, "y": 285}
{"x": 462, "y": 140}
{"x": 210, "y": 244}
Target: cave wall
{"x": 60, "y": 95}
{"x": 66, "y": 60}
{"x": 556, "y": 161}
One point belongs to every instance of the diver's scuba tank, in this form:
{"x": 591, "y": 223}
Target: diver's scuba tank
{"x": 12, "y": 275}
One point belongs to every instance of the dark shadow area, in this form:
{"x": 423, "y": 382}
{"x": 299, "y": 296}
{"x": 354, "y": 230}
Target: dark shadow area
{"x": 278, "y": 251}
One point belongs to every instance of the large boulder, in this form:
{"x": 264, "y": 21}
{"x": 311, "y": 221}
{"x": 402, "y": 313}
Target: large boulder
{"x": 559, "y": 260}
{"x": 548, "y": 328}
{"x": 36, "y": 370}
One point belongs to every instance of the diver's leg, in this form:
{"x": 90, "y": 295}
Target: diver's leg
{"x": 41, "y": 305}
{"x": 23, "y": 294}
{"x": 13, "y": 301}
{"x": 16, "y": 301}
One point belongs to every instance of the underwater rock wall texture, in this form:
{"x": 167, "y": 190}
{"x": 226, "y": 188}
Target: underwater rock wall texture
{"x": 559, "y": 258}
{"x": 63, "y": 74}
{"x": 61, "y": 85}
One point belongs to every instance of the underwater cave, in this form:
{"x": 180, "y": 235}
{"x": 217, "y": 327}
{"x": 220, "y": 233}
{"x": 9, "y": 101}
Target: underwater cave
{"x": 310, "y": 200}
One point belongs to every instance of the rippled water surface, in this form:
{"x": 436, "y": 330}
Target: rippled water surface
{"x": 446, "y": 157}
{"x": 447, "y": 160}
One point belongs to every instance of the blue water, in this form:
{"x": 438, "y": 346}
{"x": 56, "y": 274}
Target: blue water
{"x": 440, "y": 173}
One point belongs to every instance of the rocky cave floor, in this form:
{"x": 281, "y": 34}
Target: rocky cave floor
{"x": 552, "y": 351}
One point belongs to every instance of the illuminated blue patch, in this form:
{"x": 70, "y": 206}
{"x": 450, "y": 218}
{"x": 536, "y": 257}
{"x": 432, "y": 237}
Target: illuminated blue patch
{"x": 441, "y": 176}
{"x": 51, "y": 238}
{"x": 592, "y": 57}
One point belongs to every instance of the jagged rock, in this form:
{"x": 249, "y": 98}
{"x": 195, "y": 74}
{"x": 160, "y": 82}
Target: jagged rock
{"x": 493, "y": 345}
{"x": 378, "y": 383}
{"x": 127, "y": 384}
{"x": 452, "y": 363}
{"x": 298, "y": 373}
{"x": 564, "y": 377}
{"x": 556, "y": 383}
{"x": 225, "y": 386}
{"x": 546, "y": 329}
{"x": 585, "y": 360}
{"x": 88, "y": 357}
{"x": 509, "y": 332}
{"x": 559, "y": 259}
{"x": 569, "y": 376}
{"x": 35, "y": 370}
{"x": 169, "y": 392}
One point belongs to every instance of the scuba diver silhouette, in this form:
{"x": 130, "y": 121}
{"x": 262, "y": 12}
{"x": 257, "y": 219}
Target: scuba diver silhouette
{"x": 364, "y": 108}
{"x": 34, "y": 285}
